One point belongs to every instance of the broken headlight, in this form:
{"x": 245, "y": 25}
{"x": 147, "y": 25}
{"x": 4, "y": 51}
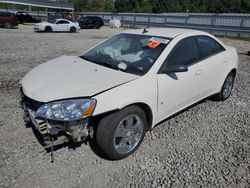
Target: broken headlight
{"x": 67, "y": 110}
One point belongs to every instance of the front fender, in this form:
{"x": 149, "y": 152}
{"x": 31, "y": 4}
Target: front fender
{"x": 142, "y": 90}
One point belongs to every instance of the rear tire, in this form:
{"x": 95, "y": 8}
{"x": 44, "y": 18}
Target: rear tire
{"x": 48, "y": 29}
{"x": 120, "y": 134}
{"x": 72, "y": 29}
{"x": 226, "y": 88}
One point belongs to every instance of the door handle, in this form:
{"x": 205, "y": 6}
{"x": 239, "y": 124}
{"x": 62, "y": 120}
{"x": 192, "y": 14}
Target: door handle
{"x": 225, "y": 60}
{"x": 198, "y": 72}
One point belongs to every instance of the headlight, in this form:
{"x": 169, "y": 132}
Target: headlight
{"x": 67, "y": 110}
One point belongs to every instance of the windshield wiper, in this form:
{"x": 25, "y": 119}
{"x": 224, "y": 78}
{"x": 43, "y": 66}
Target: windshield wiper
{"x": 110, "y": 65}
{"x": 91, "y": 60}
{"x": 85, "y": 58}
{"x": 115, "y": 66}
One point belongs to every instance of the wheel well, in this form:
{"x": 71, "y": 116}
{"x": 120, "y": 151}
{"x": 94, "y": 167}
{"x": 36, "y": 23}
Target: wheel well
{"x": 48, "y": 27}
{"x": 148, "y": 112}
{"x": 234, "y": 71}
{"x": 72, "y": 29}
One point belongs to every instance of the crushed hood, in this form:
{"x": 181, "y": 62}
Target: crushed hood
{"x": 70, "y": 77}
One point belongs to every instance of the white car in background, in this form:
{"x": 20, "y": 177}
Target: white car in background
{"x": 127, "y": 85}
{"x": 58, "y": 25}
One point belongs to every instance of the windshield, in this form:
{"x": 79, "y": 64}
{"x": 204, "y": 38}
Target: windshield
{"x": 131, "y": 53}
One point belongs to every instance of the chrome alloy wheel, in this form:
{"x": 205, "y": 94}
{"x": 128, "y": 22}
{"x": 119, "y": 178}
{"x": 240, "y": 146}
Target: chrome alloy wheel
{"x": 128, "y": 134}
{"x": 228, "y": 85}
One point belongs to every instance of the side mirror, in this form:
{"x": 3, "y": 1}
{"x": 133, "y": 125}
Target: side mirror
{"x": 175, "y": 68}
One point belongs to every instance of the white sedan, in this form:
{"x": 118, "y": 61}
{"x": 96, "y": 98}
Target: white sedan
{"x": 127, "y": 85}
{"x": 58, "y": 25}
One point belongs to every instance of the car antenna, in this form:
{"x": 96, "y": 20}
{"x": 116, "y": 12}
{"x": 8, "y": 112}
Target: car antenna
{"x": 145, "y": 30}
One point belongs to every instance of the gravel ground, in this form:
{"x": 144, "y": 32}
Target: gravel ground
{"x": 205, "y": 146}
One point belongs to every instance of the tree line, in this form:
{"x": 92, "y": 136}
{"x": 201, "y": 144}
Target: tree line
{"x": 160, "y": 6}
{"x": 157, "y": 6}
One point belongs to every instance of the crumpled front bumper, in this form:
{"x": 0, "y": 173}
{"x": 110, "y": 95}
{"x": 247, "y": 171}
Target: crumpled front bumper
{"x": 77, "y": 130}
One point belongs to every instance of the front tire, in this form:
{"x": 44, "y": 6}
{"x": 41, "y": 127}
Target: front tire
{"x": 226, "y": 88}
{"x": 120, "y": 134}
{"x": 48, "y": 29}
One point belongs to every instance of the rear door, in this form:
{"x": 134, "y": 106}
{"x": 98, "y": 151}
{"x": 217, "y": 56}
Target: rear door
{"x": 212, "y": 64}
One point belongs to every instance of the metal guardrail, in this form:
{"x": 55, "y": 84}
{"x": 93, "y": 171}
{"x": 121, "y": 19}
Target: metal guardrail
{"x": 237, "y": 25}
{"x": 219, "y": 24}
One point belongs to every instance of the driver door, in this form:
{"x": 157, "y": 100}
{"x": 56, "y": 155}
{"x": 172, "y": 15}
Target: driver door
{"x": 178, "y": 90}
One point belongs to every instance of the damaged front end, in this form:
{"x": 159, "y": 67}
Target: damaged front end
{"x": 60, "y": 121}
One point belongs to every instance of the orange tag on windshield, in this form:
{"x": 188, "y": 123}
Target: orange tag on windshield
{"x": 153, "y": 44}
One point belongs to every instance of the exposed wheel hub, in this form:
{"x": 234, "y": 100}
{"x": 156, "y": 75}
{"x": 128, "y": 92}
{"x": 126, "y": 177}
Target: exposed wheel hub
{"x": 128, "y": 134}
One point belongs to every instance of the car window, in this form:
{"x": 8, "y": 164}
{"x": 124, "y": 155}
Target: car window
{"x": 62, "y": 22}
{"x": 207, "y": 46}
{"x": 98, "y": 19}
{"x": 184, "y": 53}
{"x": 59, "y": 22}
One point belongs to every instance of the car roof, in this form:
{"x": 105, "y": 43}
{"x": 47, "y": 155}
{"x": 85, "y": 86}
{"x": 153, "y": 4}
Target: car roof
{"x": 165, "y": 32}
{"x": 59, "y": 19}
